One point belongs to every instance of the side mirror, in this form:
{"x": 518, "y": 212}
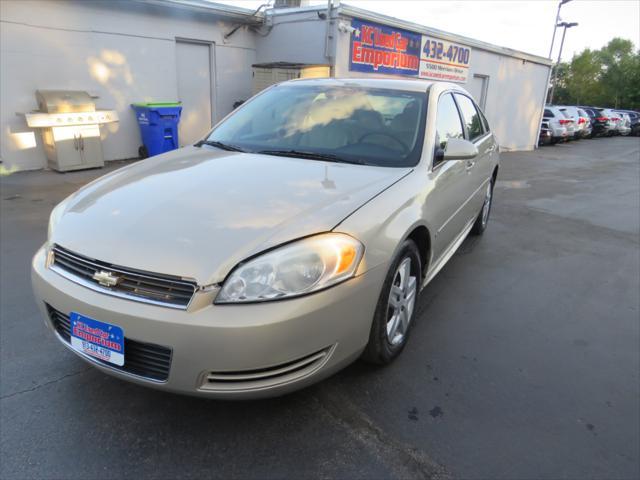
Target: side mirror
{"x": 459, "y": 149}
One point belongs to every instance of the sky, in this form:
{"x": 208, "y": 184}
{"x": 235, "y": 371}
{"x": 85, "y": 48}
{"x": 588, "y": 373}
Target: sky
{"x": 518, "y": 24}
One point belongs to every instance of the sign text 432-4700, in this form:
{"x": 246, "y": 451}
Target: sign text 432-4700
{"x": 442, "y": 60}
{"x": 377, "y": 48}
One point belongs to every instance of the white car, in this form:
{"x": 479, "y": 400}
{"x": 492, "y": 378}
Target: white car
{"x": 624, "y": 126}
{"x": 580, "y": 118}
{"x": 613, "y": 122}
{"x": 558, "y": 123}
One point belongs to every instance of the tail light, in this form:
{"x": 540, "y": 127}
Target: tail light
{"x": 564, "y": 122}
{"x": 581, "y": 121}
{"x": 615, "y": 119}
{"x": 602, "y": 119}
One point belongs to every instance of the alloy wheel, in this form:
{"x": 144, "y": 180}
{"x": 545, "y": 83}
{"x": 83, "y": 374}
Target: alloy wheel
{"x": 402, "y": 299}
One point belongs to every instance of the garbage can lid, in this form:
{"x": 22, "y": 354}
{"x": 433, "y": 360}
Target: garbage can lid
{"x": 156, "y": 104}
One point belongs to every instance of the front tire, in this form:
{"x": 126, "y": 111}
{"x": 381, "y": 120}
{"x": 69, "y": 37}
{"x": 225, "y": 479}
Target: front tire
{"x": 395, "y": 309}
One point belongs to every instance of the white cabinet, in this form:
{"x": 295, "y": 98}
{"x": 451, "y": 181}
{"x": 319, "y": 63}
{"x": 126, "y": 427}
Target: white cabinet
{"x": 73, "y": 147}
{"x": 267, "y": 74}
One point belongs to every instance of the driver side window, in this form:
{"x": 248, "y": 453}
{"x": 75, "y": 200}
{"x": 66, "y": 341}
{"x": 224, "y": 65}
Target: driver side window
{"x": 448, "y": 125}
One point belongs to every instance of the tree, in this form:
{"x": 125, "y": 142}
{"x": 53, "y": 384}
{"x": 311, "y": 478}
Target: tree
{"x": 609, "y": 77}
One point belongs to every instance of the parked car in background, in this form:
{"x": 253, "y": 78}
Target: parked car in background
{"x": 599, "y": 123}
{"x": 580, "y": 119}
{"x": 624, "y": 126}
{"x": 558, "y": 123}
{"x": 307, "y": 225}
{"x": 546, "y": 135}
{"x": 634, "y": 121}
{"x": 585, "y": 121}
{"x": 612, "y": 124}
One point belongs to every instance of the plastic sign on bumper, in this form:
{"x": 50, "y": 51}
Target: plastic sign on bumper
{"x": 377, "y": 48}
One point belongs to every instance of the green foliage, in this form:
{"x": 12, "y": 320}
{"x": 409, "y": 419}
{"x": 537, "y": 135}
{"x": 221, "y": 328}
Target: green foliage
{"x": 609, "y": 77}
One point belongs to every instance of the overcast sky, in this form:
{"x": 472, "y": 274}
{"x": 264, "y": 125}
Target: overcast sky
{"x": 522, "y": 25}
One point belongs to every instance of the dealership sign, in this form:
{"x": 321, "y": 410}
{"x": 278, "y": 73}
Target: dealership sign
{"x": 377, "y": 48}
{"x": 381, "y": 49}
{"x": 440, "y": 60}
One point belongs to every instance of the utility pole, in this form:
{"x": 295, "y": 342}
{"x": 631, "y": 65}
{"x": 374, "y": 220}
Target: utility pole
{"x": 555, "y": 71}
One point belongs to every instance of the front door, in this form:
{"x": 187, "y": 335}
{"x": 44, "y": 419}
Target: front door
{"x": 447, "y": 205}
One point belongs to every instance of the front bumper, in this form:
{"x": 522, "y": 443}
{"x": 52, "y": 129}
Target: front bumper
{"x": 230, "y": 351}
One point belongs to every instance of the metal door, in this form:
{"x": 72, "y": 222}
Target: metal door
{"x": 478, "y": 89}
{"x": 193, "y": 64}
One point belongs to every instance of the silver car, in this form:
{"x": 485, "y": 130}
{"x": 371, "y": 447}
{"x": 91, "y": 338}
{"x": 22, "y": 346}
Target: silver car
{"x": 292, "y": 240}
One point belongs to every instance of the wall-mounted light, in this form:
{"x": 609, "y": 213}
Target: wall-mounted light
{"x": 346, "y": 28}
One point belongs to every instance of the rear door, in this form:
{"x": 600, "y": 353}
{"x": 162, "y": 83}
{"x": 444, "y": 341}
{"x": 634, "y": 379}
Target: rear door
{"x": 478, "y": 170}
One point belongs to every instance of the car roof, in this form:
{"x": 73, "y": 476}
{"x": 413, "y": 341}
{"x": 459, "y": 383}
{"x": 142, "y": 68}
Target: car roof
{"x": 413, "y": 85}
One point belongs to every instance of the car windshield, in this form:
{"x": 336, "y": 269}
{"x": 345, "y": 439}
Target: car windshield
{"x": 350, "y": 124}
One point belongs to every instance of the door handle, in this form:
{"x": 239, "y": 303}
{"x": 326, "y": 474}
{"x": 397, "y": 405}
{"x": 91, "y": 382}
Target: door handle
{"x": 75, "y": 141}
{"x": 470, "y": 164}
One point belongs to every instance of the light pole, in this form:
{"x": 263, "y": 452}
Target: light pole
{"x": 555, "y": 71}
{"x": 553, "y": 38}
{"x": 555, "y": 25}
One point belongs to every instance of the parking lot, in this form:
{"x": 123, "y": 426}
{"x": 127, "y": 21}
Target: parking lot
{"x": 524, "y": 361}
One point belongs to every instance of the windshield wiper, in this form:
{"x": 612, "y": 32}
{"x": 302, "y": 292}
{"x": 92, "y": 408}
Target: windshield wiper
{"x": 327, "y": 157}
{"x": 223, "y": 146}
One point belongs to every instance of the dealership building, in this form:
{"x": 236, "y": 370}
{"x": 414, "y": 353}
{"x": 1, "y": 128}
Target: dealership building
{"x": 211, "y": 56}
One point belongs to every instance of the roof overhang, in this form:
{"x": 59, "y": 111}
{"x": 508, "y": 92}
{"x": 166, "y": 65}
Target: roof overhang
{"x": 238, "y": 14}
{"x": 351, "y": 11}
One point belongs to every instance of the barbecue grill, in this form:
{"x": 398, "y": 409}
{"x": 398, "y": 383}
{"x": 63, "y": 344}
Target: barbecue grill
{"x": 70, "y": 127}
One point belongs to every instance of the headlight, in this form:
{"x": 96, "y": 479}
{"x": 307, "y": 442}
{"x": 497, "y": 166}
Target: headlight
{"x": 305, "y": 266}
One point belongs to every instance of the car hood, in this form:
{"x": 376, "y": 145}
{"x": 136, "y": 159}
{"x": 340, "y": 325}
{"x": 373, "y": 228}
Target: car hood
{"x": 197, "y": 212}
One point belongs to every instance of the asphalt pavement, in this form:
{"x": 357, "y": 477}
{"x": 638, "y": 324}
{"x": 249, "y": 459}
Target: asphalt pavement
{"x": 524, "y": 361}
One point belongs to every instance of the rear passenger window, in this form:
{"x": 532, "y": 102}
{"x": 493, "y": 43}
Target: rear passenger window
{"x": 448, "y": 123}
{"x": 548, "y": 113}
{"x": 485, "y": 124}
{"x": 470, "y": 117}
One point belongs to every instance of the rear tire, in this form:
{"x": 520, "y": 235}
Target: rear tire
{"x": 395, "y": 309}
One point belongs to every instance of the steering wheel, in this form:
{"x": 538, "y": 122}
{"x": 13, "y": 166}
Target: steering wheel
{"x": 404, "y": 147}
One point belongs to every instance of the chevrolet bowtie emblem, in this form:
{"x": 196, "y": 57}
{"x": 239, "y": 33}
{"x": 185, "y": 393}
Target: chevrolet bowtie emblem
{"x": 106, "y": 279}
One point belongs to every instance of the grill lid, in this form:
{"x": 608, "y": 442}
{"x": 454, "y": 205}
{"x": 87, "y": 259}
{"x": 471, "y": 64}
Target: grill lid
{"x": 64, "y": 101}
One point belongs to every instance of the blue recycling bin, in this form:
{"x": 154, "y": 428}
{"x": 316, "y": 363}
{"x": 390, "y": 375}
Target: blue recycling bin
{"x": 158, "y": 123}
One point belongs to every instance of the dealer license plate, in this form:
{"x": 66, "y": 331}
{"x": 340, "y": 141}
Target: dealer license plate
{"x": 97, "y": 339}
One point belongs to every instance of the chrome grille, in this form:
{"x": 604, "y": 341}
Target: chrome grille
{"x": 147, "y": 287}
{"x": 142, "y": 359}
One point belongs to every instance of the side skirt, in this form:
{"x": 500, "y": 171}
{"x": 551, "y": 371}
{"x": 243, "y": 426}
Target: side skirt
{"x": 433, "y": 271}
